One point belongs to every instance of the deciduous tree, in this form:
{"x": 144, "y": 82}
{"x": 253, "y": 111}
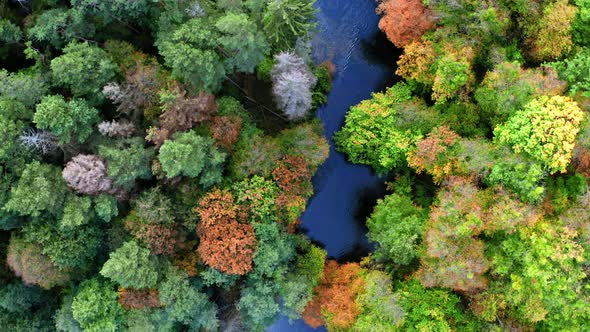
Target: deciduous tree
{"x": 87, "y": 174}
{"x": 131, "y": 266}
{"x": 404, "y": 21}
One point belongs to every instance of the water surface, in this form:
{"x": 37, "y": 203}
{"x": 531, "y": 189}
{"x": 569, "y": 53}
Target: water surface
{"x": 345, "y": 193}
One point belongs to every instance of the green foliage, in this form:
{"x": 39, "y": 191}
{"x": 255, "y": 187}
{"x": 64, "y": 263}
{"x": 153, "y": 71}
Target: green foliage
{"x": 9, "y": 33}
{"x": 276, "y": 249}
{"x": 39, "y": 189}
{"x": 18, "y": 297}
{"x": 96, "y": 308}
{"x": 284, "y": 21}
{"x": 131, "y": 266}
{"x": 127, "y": 161}
{"x": 190, "y": 51}
{"x": 70, "y": 121}
{"x": 59, "y": 26}
{"x": 192, "y": 155}
{"x": 186, "y": 304}
{"x": 77, "y": 211}
{"x": 522, "y": 178}
{"x": 432, "y": 309}
{"x": 64, "y": 317}
{"x": 540, "y": 269}
{"x": 264, "y": 68}
{"x": 115, "y": 10}
{"x": 370, "y": 135}
{"x": 241, "y": 38}
{"x": 573, "y": 71}
{"x": 258, "y": 308}
{"x": 380, "y": 308}
{"x": 545, "y": 129}
{"x": 323, "y": 85}
{"x": 213, "y": 277}
{"x": 297, "y": 288}
{"x": 581, "y": 23}
{"x": 258, "y": 196}
{"x": 105, "y": 207}
{"x": 396, "y": 225}
{"x": 69, "y": 248}
{"x": 153, "y": 207}
{"x": 564, "y": 190}
{"x": 450, "y": 78}
{"x": 27, "y": 88}
{"x": 84, "y": 69}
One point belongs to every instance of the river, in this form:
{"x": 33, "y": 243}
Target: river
{"x": 344, "y": 194}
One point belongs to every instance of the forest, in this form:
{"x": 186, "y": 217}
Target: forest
{"x": 156, "y": 158}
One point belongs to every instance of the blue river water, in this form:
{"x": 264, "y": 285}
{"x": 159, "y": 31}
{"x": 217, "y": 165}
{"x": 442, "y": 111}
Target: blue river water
{"x": 349, "y": 36}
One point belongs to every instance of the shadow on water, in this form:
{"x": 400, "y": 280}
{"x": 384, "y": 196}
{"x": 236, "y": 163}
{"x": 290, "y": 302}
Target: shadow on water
{"x": 344, "y": 194}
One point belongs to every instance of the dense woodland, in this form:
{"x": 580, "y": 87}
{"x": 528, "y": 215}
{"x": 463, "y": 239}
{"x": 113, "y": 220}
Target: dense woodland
{"x": 157, "y": 154}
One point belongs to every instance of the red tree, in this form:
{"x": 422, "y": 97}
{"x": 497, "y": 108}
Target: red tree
{"x": 293, "y": 177}
{"x": 404, "y": 21}
{"x": 225, "y": 244}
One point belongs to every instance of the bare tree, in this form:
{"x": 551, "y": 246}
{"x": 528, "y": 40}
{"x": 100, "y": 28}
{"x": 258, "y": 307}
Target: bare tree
{"x": 87, "y": 174}
{"x": 121, "y": 128}
{"x": 39, "y": 140}
{"x": 292, "y": 84}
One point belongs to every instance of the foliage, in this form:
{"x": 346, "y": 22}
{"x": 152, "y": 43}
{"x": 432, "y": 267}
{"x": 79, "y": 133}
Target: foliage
{"x": 27, "y": 88}
{"x": 285, "y": 21}
{"x": 131, "y": 266}
{"x": 334, "y": 303}
{"x": 58, "y": 27}
{"x": 404, "y": 21}
{"x": 70, "y": 121}
{"x": 84, "y": 69}
{"x": 572, "y": 71}
{"x": 96, "y": 308}
{"x": 127, "y": 162}
{"x": 370, "y": 135}
{"x": 27, "y": 262}
{"x": 396, "y": 225}
{"x": 436, "y": 154}
{"x": 77, "y": 211}
{"x": 553, "y": 35}
{"x": 545, "y": 129}
{"x": 225, "y": 244}
{"x": 186, "y": 304}
{"x": 241, "y": 38}
{"x": 380, "y": 307}
{"x": 523, "y": 178}
{"x": 40, "y": 189}
{"x": 105, "y": 207}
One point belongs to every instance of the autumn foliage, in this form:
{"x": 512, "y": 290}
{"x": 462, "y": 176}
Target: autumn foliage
{"x": 225, "y": 244}
{"x": 404, "y": 21}
{"x": 335, "y": 301}
{"x": 225, "y": 130}
{"x": 434, "y": 154}
{"x": 130, "y": 298}
{"x": 293, "y": 177}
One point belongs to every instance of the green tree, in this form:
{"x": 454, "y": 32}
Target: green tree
{"x": 9, "y": 33}
{"x": 191, "y": 52}
{"x": 241, "y": 38}
{"x": 96, "y": 308}
{"x": 68, "y": 248}
{"x": 131, "y": 266}
{"x": 115, "y": 10}
{"x": 39, "y": 189}
{"x": 59, "y": 26}
{"x": 522, "y": 178}
{"x": 257, "y": 305}
{"x": 77, "y": 211}
{"x": 380, "y": 307}
{"x": 84, "y": 69}
{"x": 70, "y": 121}
{"x": 397, "y": 226}
{"x": 25, "y": 87}
{"x": 127, "y": 161}
{"x": 186, "y": 304}
{"x": 284, "y": 21}
{"x": 105, "y": 207}
{"x": 370, "y": 134}
{"x": 297, "y": 288}
{"x": 192, "y": 155}
{"x": 545, "y": 129}
{"x": 572, "y": 71}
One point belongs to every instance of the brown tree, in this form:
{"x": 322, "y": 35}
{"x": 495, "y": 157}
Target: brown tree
{"x": 225, "y": 244}
{"x": 404, "y": 21}
{"x": 27, "y": 262}
{"x": 335, "y": 298}
{"x": 225, "y": 130}
{"x": 130, "y": 298}
{"x": 293, "y": 177}
{"x": 436, "y": 154}
{"x": 182, "y": 114}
